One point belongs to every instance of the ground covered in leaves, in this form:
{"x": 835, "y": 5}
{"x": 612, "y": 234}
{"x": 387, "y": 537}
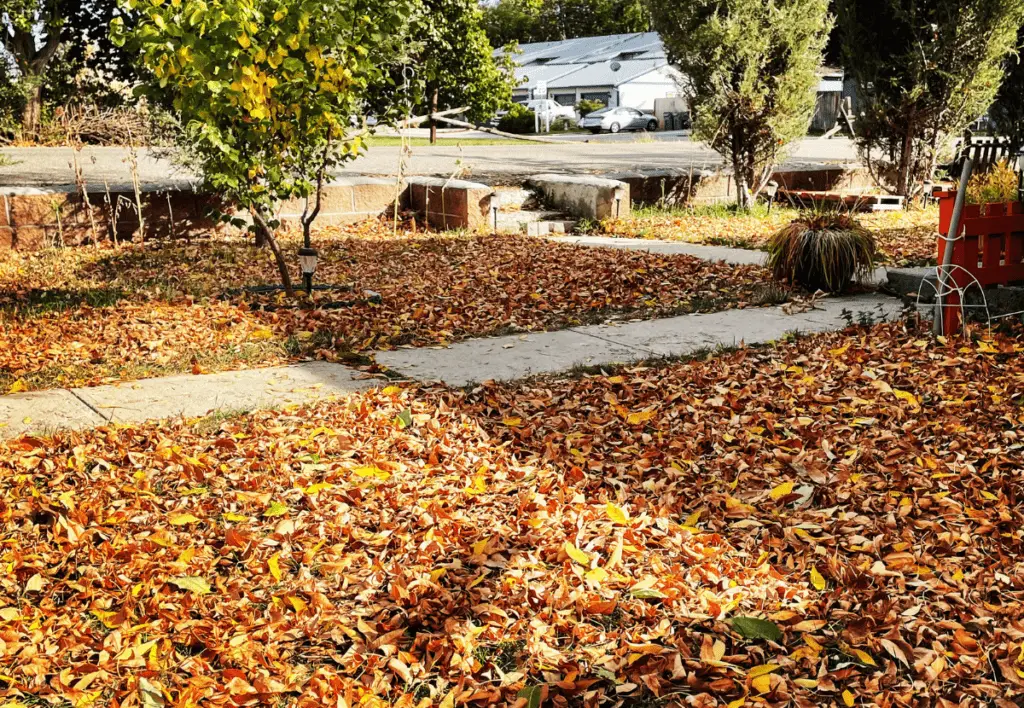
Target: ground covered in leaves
{"x": 836, "y": 521}
{"x": 82, "y": 316}
{"x": 905, "y": 238}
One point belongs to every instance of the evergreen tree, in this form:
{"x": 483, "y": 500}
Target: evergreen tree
{"x": 924, "y": 70}
{"x": 751, "y": 71}
{"x": 1008, "y": 109}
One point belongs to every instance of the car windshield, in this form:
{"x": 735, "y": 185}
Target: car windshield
{"x": 600, "y": 112}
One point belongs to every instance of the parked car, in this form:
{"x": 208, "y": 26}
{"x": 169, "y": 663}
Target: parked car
{"x": 616, "y": 119}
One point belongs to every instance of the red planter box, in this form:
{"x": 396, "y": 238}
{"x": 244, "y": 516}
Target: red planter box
{"x": 990, "y": 247}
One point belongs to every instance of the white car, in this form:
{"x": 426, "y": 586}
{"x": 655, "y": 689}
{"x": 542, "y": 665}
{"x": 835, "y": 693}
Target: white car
{"x": 615, "y": 119}
{"x": 545, "y": 108}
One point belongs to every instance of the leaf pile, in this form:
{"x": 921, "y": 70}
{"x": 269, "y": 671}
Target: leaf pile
{"x": 905, "y": 238}
{"x": 82, "y": 317}
{"x": 835, "y": 521}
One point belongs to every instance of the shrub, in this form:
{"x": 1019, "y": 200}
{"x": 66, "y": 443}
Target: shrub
{"x": 821, "y": 252}
{"x": 997, "y": 185}
{"x": 588, "y": 106}
{"x": 519, "y": 120}
{"x": 12, "y": 101}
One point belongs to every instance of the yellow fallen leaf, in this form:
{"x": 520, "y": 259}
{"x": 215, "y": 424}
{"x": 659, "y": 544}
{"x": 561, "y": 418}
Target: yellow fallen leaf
{"x": 692, "y": 519}
{"x": 806, "y": 683}
{"x": 908, "y": 397}
{"x": 449, "y": 700}
{"x": 318, "y": 487}
{"x": 372, "y": 472}
{"x": 738, "y": 703}
{"x": 261, "y": 333}
{"x": 181, "y": 519}
{"x": 17, "y": 387}
{"x": 576, "y": 554}
{"x": 478, "y": 486}
{"x": 616, "y": 379}
{"x": 512, "y": 422}
{"x": 848, "y": 698}
{"x": 107, "y": 618}
{"x": 34, "y": 584}
{"x": 762, "y": 684}
{"x": 276, "y": 508}
{"x": 639, "y": 417}
{"x": 817, "y": 580}
{"x": 391, "y": 390}
{"x": 616, "y": 513}
{"x": 762, "y": 670}
{"x": 275, "y": 566}
{"x": 783, "y": 490}
{"x": 597, "y": 575}
{"x": 231, "y": 516}
{"x": 864, "y": 657}
{"x": 297, "y": 603}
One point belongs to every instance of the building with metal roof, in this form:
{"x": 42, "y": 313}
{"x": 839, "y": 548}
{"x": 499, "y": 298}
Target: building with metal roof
{"x": 618, "y": 70}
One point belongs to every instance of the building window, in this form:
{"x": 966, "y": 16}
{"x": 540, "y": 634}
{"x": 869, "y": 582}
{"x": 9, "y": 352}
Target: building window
{"x": 604, "y": 97}
{"x": 565, "y": 99}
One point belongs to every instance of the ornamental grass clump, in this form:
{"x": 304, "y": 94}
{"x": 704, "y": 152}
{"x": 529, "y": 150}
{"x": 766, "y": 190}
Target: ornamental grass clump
{"x": 821, "y": 252}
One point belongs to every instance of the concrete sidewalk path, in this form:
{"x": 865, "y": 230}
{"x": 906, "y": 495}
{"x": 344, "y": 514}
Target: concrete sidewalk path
{"x": 732, "y": 256}
{"x": 172, "y": 396}
{"x": 522, "y": 355}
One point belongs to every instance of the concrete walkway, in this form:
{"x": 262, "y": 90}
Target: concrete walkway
{"x": 732, "y": 256}
{"x": 172, "y": 396}
{"x": 519, "y": 356}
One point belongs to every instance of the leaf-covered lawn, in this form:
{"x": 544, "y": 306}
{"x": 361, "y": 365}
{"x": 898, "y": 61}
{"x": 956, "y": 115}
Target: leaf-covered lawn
{"x": 833, "y": 522}
{"x": 903, "y": 237}
{"x": 83, "y": 317}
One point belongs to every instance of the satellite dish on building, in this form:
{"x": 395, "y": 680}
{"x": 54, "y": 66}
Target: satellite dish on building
{"x": 615, "y": 66}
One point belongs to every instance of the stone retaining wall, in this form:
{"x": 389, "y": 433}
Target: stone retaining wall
{"x": 683, "y": 187}
{"x": 585, "y": 197}
{"x": 451, "y": 203}
{"x": 33, "y": 218}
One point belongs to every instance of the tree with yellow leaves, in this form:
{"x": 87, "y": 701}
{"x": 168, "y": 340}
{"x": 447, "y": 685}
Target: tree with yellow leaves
{"x": 266, "y": 91}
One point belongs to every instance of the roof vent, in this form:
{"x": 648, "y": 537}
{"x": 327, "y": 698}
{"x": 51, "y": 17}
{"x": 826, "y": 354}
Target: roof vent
{"x": 615, "y": 66}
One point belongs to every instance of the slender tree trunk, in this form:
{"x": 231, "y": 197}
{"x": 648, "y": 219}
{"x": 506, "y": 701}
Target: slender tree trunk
{"x": 434, "y": 95}
{"x": 906, "y": 156}
{"x": 31, "y": 117}
{"x": 268, "y": 239}
{"x": 739, "y": 172}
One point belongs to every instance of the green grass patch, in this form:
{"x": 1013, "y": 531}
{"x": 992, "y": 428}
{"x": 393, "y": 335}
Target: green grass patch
{"x": 721, "y": 210}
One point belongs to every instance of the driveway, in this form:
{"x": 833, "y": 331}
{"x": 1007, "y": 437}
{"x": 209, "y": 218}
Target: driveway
{"x": 495, "y": 163}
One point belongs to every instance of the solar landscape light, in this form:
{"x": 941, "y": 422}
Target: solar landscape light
{"x": 307, "y": 263}
{"x": 771, "y": 189}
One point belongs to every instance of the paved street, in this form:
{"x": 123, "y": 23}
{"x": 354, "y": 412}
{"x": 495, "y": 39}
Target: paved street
{"x": 496, "y": 163}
